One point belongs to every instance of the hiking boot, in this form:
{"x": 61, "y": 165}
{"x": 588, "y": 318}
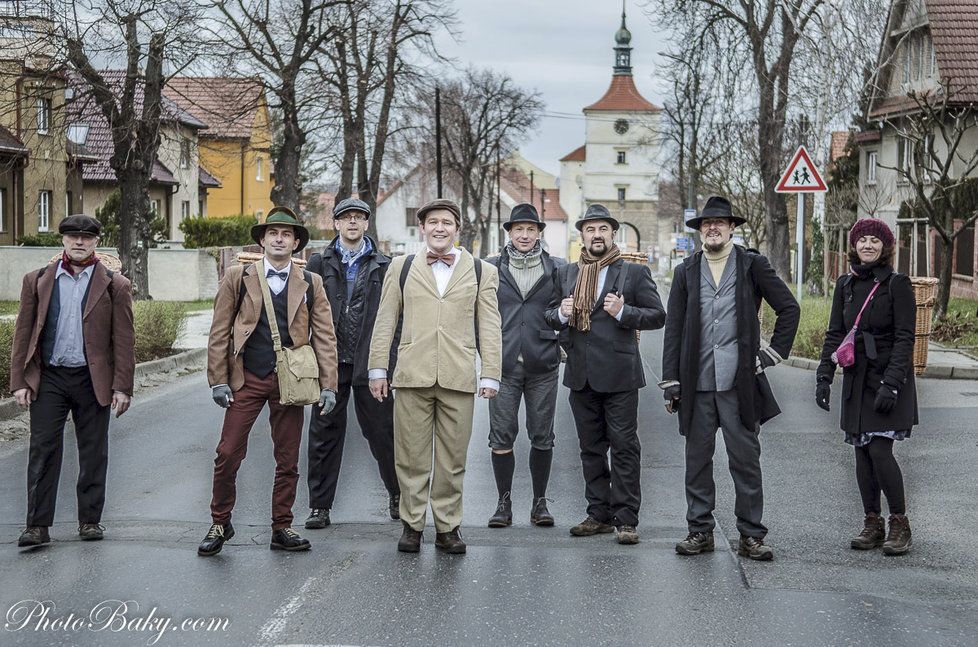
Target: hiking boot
{"x": 539, "y": 514}
{"x": 754, "y": 548}
{"x": 627, "y": 535}
{"x": 288, "y": 539}
{"x": 91, "y": 531}
{"x": 318, "y": 519}
{"x": 872, "y": 534}
{"x": 34, "y": 536}
{"x": 410, "y": 541}
{"x": 394, "y": 506}
{"x": 696, "y": 543}
{"x": 898, "y": 540}
{"x": 214, "y": 541}
{"x": 503, "y": 516}
{"x": 591, "y": 526}
{"x": 450, "y": 542}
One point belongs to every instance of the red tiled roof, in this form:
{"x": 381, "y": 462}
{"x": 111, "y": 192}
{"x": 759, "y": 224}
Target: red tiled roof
{"x": 622, "y": 95}
{"x": 516, "y": 185}
{"x": 227, "y": 105}
{"x": 954, "y": 28}
{"x": 577, "y": 155}
{"x": 840, "y": 139}
{"x": 10, "y": 144}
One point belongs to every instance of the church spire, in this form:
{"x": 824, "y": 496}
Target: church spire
{"x": 623, "y": 50}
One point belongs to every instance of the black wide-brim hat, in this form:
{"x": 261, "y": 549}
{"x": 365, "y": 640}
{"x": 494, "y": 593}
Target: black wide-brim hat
{"x": 715, "y": 207}
{"x": 524, "y": 212}
{"x": 281, "y": 216}
{"x": 597, "y": 212}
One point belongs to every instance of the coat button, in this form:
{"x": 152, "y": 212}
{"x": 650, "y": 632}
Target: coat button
{"x": 716, "y": 321}
{"x": 716, "y": 345}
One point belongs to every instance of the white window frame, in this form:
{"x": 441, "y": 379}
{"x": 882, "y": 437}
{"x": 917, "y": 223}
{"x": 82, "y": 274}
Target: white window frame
{"x": 3, "y": 210}
{"x": 621, "y": 157}
{"x": 258, "y": 165}
{"x": 43, "y": 115}
{"x": 184, "y": 153}
{"x": 43, "y": 211}
{"x": 872, "y": 163}
{"x": 907, "y": 61}
{"x": 184, "y": 209}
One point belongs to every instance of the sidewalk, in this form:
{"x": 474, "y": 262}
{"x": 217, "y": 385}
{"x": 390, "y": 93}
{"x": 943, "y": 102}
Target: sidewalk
{"x": 942, "y": 363}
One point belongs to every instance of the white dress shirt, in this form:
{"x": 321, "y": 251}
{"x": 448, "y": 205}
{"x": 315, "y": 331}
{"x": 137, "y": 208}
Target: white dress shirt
{"x": 275, "y": 283}
{"x": 602, "y": 275}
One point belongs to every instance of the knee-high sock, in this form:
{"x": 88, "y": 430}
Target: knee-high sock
{"x": 540, "y": 461}
{"x": 503, "y": 466}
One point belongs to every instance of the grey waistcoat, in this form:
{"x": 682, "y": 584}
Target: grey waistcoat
{"x": 718, "y": 327}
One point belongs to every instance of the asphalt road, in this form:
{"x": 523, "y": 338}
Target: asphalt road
{"x": 516, "y": 586}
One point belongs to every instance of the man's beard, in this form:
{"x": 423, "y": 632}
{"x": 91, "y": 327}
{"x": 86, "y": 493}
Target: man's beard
{"x": 714, "y": 247}
{"x": 592, "y": 252}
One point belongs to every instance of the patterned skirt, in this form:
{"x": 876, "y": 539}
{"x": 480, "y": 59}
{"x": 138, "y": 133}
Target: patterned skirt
{"x": 865, "y": 438}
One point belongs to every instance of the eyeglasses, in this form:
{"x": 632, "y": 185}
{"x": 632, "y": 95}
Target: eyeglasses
{"x": 354, "y": 216}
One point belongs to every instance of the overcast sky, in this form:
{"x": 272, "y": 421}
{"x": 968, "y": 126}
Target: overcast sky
{"x": 563, "y": 49}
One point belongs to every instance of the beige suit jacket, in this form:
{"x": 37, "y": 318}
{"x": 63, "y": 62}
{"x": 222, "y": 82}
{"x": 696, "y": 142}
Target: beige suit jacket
{"x": 438, "y": 343}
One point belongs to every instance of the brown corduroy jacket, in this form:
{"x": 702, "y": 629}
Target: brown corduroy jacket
{"x": 110, "y": 342}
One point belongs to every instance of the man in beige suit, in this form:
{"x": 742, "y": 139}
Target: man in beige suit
{"x": 444, "y": 298}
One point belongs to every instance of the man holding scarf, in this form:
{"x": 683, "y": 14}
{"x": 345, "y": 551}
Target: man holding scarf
{"x": 606, "y": 301}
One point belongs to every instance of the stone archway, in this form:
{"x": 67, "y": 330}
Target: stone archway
{"x": 627, "y": 238}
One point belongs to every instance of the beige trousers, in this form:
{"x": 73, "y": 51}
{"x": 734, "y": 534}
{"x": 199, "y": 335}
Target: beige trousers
{"x": 432, "y": 427}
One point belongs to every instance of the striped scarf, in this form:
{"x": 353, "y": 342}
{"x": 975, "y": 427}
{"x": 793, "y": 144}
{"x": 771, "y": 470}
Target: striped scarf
{"x": 586, "y": 288}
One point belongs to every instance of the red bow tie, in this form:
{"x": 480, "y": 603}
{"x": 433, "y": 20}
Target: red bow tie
{"x": 447, "y": 259}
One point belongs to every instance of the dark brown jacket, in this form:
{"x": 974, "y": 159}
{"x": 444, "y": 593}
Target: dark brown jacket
{"x": 230, "y": 330}
{"x": 110, "y": 342}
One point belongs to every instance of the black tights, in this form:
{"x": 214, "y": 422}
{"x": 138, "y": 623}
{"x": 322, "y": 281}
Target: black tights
{"x": 877, "y": 470}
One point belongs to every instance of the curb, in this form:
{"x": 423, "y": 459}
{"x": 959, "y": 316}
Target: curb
{"x": 186, "y": 359}
{"x": 934, "y": 371}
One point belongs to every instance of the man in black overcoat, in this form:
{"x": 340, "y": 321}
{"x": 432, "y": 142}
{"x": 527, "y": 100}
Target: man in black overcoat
{"x": 713, "y": 365}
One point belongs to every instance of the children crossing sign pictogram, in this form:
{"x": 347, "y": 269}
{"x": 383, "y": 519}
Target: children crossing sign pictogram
{"x": 801, "y": 176}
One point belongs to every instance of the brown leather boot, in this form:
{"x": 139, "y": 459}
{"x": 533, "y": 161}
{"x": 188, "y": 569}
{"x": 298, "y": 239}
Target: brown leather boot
{"x": 872, "y": 534}
{"x": 450, "y": 542}
{"x": 410, "y": 541}
{"x": 898, "y": 540}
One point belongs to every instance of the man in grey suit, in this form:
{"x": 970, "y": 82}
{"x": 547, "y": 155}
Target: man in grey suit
{"x": 713, "y": 367}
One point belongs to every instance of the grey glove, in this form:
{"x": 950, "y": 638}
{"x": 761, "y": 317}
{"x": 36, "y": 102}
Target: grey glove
{"x": 766, "y": 358}
{"x": 327, "y": 400}
{"x": 222, "y": 395}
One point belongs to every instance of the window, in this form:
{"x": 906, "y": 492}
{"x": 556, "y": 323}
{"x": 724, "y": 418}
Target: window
{"x": 918, "y": 58}
{"x": 200, "y": 207}
{"x": 933, "y": 58}
{"x": 3, "y": 210}
{"x": 907, "y": 61}
{"x": 621, "y": 194}
{"x": 185, "y": 154}
{"x": 871, "y": 165}
{"x": 411, "y": 216}
{"x": 184, "y": 209}
{"x": 258, "y": 164}
{"x": 904, "y": 153}
{"x": 157, "y": 207}
{"x": 621, "y": 157}
{"x": 43, "y": 210}
{"x": 43, "y": 116}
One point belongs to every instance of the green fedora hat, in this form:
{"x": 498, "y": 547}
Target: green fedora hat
{"x": 281, "y": 216}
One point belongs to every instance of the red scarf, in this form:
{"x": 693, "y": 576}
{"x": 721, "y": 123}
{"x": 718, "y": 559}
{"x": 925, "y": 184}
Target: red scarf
{"x": 66, "y": 262}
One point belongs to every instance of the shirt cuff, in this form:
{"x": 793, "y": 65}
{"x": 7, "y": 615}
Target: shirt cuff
{"x": 489, "y": 383}
{"x": 665, "y": 384}
{"x": 214, "y": 386}
{"x": 620, "y": 313}
{"x": 561, "y": 317}
{"x": 377, "y": 374}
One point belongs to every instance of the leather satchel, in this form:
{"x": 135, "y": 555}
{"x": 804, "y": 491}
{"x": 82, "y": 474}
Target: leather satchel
{"x": 297, "y": 368}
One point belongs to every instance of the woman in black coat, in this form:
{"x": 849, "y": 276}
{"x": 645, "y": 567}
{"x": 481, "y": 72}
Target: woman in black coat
{"x": 879, "y": 399}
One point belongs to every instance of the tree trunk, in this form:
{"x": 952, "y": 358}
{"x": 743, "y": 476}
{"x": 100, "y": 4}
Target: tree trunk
{"x": 944, "y": 276}
{"x": 134, "y": 217}
{"x": 288, "y": 183}
{"x": 770, "y": 140}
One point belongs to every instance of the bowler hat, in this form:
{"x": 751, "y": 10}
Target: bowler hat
{"x": 281, "y": 216}
{"x": 441, "y": 203}
{"x": 524, "y": 212}
{"x": 350, "y": 204}
{"x": 80, "y": 224}
{"x": 596, "y": 212}
{"x": 715, "y": 207}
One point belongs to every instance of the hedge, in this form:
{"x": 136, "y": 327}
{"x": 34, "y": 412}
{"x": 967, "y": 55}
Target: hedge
{"x": 41, "y": 239}
{"x": 6, "y": 341}
{"x": 217, "y": 232}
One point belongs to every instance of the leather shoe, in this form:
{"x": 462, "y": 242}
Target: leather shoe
{"x": 318, "y": 519}
{"x": 34, "y": 536}
{"x": 591, "y": 526}
{"x": 410, "y": 541}
{"x": 696, "y": 543}
{"x": 754, "y": 548}
{"x": 214, "y": 541}
{"x": 450, "y": 542}
{"x": 503, "y": 516}
{"x": 539, "y": 514}
{"x": 394, "y": 506}
{"x": 91, "y": 531}
{"x": 288, "y": 539}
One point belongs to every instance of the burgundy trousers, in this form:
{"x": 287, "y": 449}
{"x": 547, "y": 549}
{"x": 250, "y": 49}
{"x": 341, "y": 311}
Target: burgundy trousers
{"x": 286, "y": 424}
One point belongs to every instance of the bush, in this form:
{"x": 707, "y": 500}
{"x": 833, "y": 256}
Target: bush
{"x": 815, "y": 313}
{"x": 6, "y": 341}
{"x": 158, "y": 324}
{"x": 217, "y": 232}
{"x": 41, "y": 239}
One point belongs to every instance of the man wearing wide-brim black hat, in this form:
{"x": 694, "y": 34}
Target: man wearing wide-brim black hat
{"x": 531, "y": 357}
{"x": 605, "y": 300}
{"x": 713, "y": 367}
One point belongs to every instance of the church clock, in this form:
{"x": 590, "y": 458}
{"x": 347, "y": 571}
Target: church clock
{"x": 621, "y": 126}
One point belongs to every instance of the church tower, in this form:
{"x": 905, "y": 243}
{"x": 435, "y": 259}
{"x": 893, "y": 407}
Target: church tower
{"x": 618, "y": 164}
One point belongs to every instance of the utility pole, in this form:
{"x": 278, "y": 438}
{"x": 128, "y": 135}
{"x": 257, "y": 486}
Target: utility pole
{"x": 531, "y": 187}
{"x": 499, "y": 192}
{"x": 543, "y": 203}
{"x": 438, "y": 137}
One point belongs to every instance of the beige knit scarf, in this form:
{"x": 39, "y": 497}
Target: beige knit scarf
{"x": 585, "y": 291}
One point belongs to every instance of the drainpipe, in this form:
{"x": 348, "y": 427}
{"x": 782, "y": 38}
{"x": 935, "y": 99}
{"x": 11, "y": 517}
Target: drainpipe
{"x": 242, "y": 209}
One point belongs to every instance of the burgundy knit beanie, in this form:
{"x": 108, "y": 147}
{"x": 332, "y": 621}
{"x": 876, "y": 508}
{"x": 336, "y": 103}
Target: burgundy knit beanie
{"x": 871, "y": 227}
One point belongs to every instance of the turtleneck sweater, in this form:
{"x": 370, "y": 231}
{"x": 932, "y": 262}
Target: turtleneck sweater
{"x": 718, "y": 260}
{"x": 526, "y": 268}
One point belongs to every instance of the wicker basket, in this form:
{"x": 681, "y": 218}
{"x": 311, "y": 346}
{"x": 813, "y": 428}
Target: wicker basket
{"x": 641, "y": 259}
{"x": 924, "y": 291}
{"x": 110, "y": 261}
{"x": 254, "y": 257}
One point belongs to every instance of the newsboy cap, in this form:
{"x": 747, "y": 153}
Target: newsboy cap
{"x": 596, "y": 212}
{"x": 441, "y": 203}
{"x": 80, "y": 224}
{"x": 350, "y": 204}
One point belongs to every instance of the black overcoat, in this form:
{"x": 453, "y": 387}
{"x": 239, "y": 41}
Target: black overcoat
{"x": 525, "y": 331}
{"x": 884, "y": 349}
{"x": 607, "y": 357}
{"x": 756, "y": 280}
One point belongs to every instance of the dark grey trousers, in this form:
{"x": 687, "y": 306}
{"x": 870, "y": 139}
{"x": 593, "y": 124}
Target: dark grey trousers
{"x": 713, "y": 409}
{"x": 539, "y": 391}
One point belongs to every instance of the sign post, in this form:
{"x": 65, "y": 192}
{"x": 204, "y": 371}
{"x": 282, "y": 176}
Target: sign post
{"x": 801, "y": 177}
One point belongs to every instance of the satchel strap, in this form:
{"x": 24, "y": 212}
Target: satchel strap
{"x": 269, "y": 309}
{"x": 865, "y": 303}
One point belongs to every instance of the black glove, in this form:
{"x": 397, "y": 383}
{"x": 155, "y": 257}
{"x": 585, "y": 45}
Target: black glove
{"x": 885, "y": 399}
{"x": 671, "y": 395}
{"x": 823, "y": 392}
{"x": 222, "y": 395}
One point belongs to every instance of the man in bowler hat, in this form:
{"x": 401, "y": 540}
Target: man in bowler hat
{"x": 73, "y": 351}
{"x": 605, "y": 301}
{"x": 713, "y": 372}
{"x": 352, "y": 269}
{"x": 531, "y": 356}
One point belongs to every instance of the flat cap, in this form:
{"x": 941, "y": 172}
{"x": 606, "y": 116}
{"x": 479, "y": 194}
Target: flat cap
{"x": 350, "y": 204}
{"x": 80, "y": 224}
{"x": 441, "y": 203}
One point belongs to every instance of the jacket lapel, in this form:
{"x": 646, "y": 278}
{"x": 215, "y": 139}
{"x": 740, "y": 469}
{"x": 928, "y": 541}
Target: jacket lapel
{"x": 704, "y": 268}
{"x": 297, "y": 287}
{"x": 253, "y": 289}
{"x": 506, "y": 276}
{"x": 548, "y": 268}
{"x": 99, "y": 283}
{"x": 463, "y": 264}
{"x": 609, "y": 284}
{"x": 730, "y": 269}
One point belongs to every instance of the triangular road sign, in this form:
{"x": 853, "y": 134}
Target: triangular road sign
{"x": 801, "y": 176}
